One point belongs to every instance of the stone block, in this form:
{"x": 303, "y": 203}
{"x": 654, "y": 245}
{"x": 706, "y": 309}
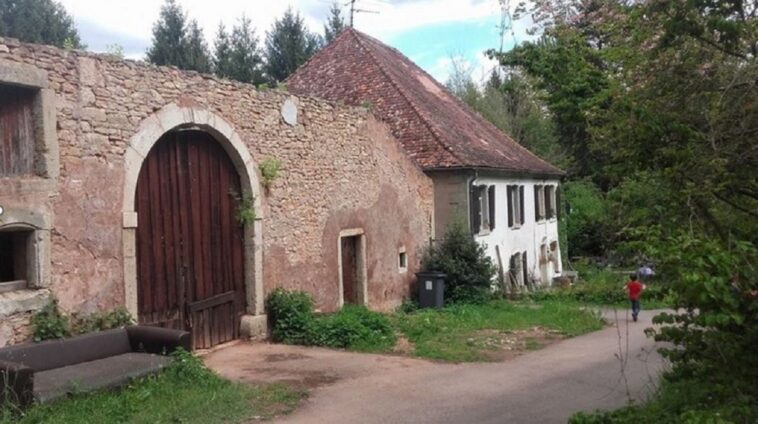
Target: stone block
{"x": 254, "y": 327}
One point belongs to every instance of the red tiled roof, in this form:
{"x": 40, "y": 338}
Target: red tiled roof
{"x": 436, "y": 129}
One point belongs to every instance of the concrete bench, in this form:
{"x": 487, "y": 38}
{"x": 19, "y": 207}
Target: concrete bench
{"x": 42, "y": 372}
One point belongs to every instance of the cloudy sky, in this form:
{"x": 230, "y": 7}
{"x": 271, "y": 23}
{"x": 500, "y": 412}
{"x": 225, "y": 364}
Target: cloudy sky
{"x": 430, "y": 32}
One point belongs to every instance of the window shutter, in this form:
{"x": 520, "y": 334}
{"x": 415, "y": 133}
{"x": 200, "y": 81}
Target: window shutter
{"x": 475, "y": 209}
{"x": 558, "y": 205}
{"x": 491, "y": 200}
{"x": 521, "y": 202}
{"x": 509, "y": 192}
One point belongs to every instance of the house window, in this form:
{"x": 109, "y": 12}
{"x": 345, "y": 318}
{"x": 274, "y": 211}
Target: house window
{"x": 16, "y": 254}
{"x": 402, "y": 260}
{"x": 483, "y": 209}
{"x": 17, "y": 132}
{"x": 539, "y": 202}
{"x": 550, "y": 201}
{"x": 515, "y": 206}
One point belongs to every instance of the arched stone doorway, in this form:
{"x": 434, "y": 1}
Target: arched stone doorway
{"x": 161, "y": 133}
{"x": 190, "y": 260}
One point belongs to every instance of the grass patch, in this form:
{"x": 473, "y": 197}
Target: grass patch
{"x": 604, "y": 287}
{"x": 687, "y": 401}
{"x": 186, "y": 392}
{"x": 446, "y": 334}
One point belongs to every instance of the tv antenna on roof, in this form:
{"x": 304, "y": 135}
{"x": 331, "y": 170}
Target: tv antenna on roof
{"x": 354, "y": 10}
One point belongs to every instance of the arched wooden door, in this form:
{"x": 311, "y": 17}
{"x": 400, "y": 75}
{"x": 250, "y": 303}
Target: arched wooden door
{"x": 190, "y": 267}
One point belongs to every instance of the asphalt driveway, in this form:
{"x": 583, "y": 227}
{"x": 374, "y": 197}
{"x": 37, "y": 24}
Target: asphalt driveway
{"x": 545, "y": 386}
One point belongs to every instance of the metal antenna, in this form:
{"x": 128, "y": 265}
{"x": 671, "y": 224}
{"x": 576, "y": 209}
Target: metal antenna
{"x": 354, "y": 10}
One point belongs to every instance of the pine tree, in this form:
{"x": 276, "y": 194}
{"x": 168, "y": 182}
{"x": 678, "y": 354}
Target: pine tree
{"x": 222, "y": 53}
{"x": 335, "y": 24}
{"x": 288, "y": 45}
{"x": 246, "y": 56}
{"x": 196, "y": 54}
{"x": 38, "y": 21}
{"x": 177, "y": 42}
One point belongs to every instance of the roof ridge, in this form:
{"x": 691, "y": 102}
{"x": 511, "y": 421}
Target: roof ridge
{"x": 465, "y": 107}
{"x": 394, "y": 83}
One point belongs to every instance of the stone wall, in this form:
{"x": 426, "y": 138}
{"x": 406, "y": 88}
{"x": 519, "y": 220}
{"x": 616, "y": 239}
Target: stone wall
{"x": 340, "y": 169}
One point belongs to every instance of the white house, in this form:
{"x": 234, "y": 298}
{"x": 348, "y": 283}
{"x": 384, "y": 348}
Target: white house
{"x": 508, "y": 195}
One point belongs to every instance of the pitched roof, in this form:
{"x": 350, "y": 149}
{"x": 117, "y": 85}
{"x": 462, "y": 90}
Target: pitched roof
{"x": 436, "y": 129}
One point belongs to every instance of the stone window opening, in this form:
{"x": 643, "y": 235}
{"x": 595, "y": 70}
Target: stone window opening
{"x": 28, "y": 138}
{"x": 402, "y": 260}
{"x": 17, "y": 258}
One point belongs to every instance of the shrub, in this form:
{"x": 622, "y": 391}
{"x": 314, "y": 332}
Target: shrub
{"x": 291, "y": 314}
{"x": 353, "y": 327}
{"x": 469, "y": 270}
{"x": 50, "y": 323}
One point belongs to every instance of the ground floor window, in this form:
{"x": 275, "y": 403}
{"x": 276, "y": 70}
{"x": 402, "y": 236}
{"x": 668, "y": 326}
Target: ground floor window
{"x": 16, "y": 256}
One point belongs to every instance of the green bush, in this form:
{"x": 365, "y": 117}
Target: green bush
{"x": 353, "y": 327}
{"x": 50, "y": 323}
{"x": 291, "y": 315}
{"x": 469, "y": 270}
{"x": 99, "y": 321}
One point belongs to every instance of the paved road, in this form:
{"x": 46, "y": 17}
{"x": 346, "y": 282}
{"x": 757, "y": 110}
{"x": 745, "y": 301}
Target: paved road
{"x": 546, "y": 386}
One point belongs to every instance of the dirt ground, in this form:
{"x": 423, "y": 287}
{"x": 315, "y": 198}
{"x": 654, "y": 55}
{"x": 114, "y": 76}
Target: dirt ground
{"x": 521, "y": 385}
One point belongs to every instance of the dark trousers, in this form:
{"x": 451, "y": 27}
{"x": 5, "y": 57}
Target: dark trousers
{"x": 635, "y": 308}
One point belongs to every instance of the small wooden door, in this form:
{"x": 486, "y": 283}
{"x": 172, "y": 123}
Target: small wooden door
{"x": 190, "y": 266}
{"x": 350, "y": 269}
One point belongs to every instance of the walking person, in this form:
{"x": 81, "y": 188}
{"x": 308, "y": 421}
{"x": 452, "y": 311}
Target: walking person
{"x": 634, "y": 288}
{"x": 645, "y": 273}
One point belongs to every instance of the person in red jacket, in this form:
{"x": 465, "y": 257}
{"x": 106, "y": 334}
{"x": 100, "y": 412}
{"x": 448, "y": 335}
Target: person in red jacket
{"x": 634, "y": 288}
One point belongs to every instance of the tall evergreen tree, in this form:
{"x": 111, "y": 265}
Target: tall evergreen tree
{"x": 197, "y": 56}
{"x": 288, "y": 45}
{"x": 335, "y": 24}
{"x": 237, "y": 56}
{"x": 38, "y": 21}
{"x": 222, "y": 53}
{"x": 177, "y": 42}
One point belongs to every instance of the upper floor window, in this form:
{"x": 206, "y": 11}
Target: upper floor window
{"x": 515, "y": 205}
{"x": 483, "y": 208}
{"x": 17, "y": 132}
{"x": 550, "y": 201}
{"x": 28, "y": 136}
{"x": 539, "y": 202}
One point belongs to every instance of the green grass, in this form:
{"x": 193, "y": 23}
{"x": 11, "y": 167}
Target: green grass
{"x": 604, "y": 287}
{"x": 446, "y": 334}
{"x": 184, "y": 393}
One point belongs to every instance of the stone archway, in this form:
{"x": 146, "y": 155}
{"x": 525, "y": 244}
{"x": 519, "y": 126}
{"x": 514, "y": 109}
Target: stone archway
{"x": 149, "y": 132}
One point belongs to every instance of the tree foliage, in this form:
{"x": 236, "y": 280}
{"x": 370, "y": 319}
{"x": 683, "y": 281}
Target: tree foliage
{"x": 511, "y": 103}
{"x": 178, "y": 41}
{"x": 289, "y": 44}
{"x": 38, "y": 21}
{"x": 663, "y": 98}
{"x": 335, "y": 24}
{"x": 237, "y": 55}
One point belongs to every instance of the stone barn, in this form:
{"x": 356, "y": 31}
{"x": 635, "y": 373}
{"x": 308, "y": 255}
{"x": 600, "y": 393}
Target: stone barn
{"x": 127, "y": 185}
